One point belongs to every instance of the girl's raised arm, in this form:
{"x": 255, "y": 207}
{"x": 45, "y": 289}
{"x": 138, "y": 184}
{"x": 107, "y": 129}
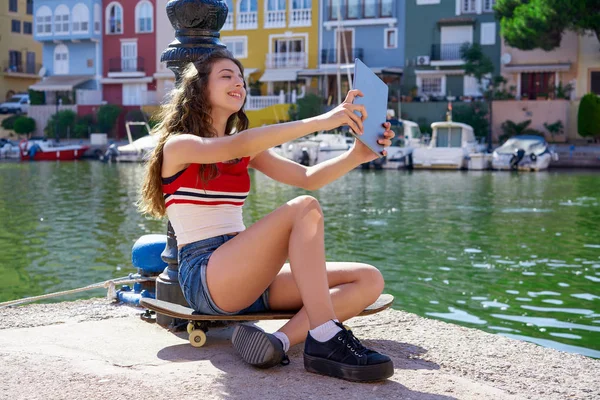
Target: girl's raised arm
{"x": 187, "y": 148}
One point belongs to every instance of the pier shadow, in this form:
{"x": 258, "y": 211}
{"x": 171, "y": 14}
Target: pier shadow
{"x": 239, "y": 381}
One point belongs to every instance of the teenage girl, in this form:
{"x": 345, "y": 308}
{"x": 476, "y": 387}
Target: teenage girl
{"x": 197, "y": 176}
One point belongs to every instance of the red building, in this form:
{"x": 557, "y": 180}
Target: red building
{"x": 129, "y": 55}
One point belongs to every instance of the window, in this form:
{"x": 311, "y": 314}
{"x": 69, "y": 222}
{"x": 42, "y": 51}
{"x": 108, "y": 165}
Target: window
{"x": 536, "y": 84}
{"x": 431, "y": 85}
{"x": 29, "y": 7}
{"x": 13, "y": 6}
{"x": 30, "y": 67}
{"x": 143, "y": 17}
{"x": 248, "y": 6}
{"x": 386, "y": 8}
{"x": 488, "y": 33}
{"x": 97, "y": 18}
{"x": 61, "y": 60}
{"x": 114, "y": 18}
{"x": 15, "y": 26}
{"x": 595, "y": 82}
{"x": 488, "y": 5}
{"x": 469, "y": 6}
{"x": 353, "y": 9}
{"x": 133, "y": 94}
{"x": 370, "y": 8}
{"x": 335, "y": 9}
{"x": 61, "y": 20}
{"x": 27, "y": 28}
{"x": 391, "y": 38}
{"x": 129, "y": 57}
{"x": 43, "y": 21}
{"x": 15, "y": 60}
{"x": 237, "y": 45}
{"x": 81, "y": 18}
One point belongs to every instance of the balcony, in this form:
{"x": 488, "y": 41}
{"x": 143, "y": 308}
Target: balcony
{"x": 21, "y": 70}
{"x": 287, "y": 60}
{"x": 247, "y": 20}
{"x": 446, "y": 52}
{"x": 301, "y": 17}
{"x": 330, "y": 56}
{"x": 119, "y": 67}
{"x": 228, "y": 22}
{"x": 275, "y": 19}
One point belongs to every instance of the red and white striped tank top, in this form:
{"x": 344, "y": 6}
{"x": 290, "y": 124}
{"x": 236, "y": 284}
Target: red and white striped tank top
{"x": 199, "y": 210}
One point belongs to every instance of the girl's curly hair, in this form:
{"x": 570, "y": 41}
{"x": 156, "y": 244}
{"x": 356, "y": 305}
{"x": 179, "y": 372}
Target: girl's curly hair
{"x": 188, "y": 111}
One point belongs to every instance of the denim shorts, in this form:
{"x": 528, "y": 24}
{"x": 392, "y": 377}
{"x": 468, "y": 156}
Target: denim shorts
{"x": 193, "y": 261}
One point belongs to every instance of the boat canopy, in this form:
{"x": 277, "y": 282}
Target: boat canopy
{"x": 529, "y": 143}
{"x": 452, "y": 134}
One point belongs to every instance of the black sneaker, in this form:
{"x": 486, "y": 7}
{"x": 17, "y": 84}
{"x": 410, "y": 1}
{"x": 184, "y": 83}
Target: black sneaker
{"x": 343, "y": 356}
{"x": 258, "y": 348}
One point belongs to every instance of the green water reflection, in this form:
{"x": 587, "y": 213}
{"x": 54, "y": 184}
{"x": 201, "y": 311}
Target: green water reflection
{"x": 513, "y": 254}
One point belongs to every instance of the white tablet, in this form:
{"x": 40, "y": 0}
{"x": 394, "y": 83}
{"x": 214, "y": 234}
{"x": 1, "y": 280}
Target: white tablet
{"x": 375, "y": 97}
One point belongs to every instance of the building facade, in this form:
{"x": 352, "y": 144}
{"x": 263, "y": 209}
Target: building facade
{"x": 274, "y": 40}
{"x": 435, "y": 32}
{"x": 21, "y": 54}
{"x": 370, "y": 30}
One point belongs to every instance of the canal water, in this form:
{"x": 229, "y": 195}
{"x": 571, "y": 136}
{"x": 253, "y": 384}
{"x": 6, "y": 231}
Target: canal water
{"x": 512, "y": 254}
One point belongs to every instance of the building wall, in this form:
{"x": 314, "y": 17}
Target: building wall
{"x": 368, "y": 37}
{"x": 12, "y": 82}
{"x": 82, "y": 58}
{"x": 589, "y": 60}
{"x": 165, "y": 34}
{"x": 146, "y": 42}
{"x": 567, "y": 53}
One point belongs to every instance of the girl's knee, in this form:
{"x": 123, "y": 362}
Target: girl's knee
{"x": 307, "y": 204}
{"x": 372, "y": 280}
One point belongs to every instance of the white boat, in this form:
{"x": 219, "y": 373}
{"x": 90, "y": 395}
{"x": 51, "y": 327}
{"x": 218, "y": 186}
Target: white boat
{"x": 312, "y": 150}
{"x": 399, "y": 154}
{"x": 9, "y": 149}
{"x": 523, "y": 153}
{"x": 453, "y": 146}
{"x": 136, "y": 151}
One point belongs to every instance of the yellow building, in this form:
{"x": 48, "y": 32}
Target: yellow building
{"x": 275, "y": 40}
{"x": 20, "y": 55}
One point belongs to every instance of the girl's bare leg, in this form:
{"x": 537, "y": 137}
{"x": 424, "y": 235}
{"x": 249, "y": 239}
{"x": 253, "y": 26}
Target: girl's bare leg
{"x": 353, "y": 286}
{"x": 239, "y": 271}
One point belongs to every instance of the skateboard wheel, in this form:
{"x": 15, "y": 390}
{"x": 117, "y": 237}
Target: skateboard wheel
{"x": 190, "y": 327}
{"x": 197, "y": 338}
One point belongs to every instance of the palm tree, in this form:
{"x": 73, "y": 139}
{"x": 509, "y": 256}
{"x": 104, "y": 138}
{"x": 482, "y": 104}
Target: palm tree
{"x": 511, "y": 129}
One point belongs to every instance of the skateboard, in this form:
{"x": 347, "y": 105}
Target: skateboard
{"x": 198, "y": 324}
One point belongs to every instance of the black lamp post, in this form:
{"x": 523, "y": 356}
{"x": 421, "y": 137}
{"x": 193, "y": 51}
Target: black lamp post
{"x": 197, "y": 24}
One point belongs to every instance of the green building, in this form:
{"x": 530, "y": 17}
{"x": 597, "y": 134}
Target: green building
{"x": 435, "y": 32}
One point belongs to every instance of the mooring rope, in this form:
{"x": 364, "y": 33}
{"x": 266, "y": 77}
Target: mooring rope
{"x": 109, "y": 284}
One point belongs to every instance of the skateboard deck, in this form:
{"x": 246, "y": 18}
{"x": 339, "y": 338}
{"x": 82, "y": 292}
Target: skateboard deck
{"x": 198, "y": 323}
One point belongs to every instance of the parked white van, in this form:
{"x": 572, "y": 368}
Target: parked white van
{"x": 18, "y": 104}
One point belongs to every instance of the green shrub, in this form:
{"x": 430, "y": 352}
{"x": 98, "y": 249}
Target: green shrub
{"x": 556, "y": 128}
{"x": 107, "y": 117}
{"x": 37, "y": 98}
{"x": 63, "y": 120}
{"x": 24, "y": 125}
{"x": 82, "y": 126}
{"x": 9, "y": 123}
{"x": 588, "y": 116}
{"x": 306, "y": 107}
{"x": 474, "y": 114}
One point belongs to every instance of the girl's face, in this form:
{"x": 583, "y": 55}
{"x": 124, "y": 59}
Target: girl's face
{"x": 226, "y": 86}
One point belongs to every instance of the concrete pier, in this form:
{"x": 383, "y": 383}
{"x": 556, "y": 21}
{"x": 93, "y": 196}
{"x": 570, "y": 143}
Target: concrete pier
{"x": 91, "y": 349}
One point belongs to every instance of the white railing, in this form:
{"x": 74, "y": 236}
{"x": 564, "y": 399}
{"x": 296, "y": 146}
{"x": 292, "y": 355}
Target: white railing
{"x": 228, "y": 22}
{"x": 275, "y": 19}
{"x": 286, "y": 60}
{"x": 301, "y": 17}
{"x": 247, "y": 20}
{"x": 89, "y": 97}
{"x": 258, "y": 102}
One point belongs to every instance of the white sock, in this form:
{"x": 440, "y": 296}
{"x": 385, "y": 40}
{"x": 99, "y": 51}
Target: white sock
{"x": 285, "y": 341}
{"x": 326, "y": 331}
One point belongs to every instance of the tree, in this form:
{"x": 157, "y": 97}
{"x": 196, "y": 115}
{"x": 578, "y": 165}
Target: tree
{"x": 474, "y": 114}
{"x": 24, "y": 125}
{"x": 107, "y": 117}
{"x": 306, "y": 107}
{"x": 64, "y": 121}
{"x": 532, "y": 24}
{"x": 588, "y": 115}
{"x": 511, "y": 129}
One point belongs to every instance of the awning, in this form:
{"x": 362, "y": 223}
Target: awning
{"x": 388, "y": 70}
{"x": 344, "y": 68}
{"x": 456, "y": 21}
{"x": 279, "y": 75}
{"x": 536, "y": 67}
{"x": 57, "y": 83}
{"x": 439, "y": 72}
{"x": 250, "y": 71}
